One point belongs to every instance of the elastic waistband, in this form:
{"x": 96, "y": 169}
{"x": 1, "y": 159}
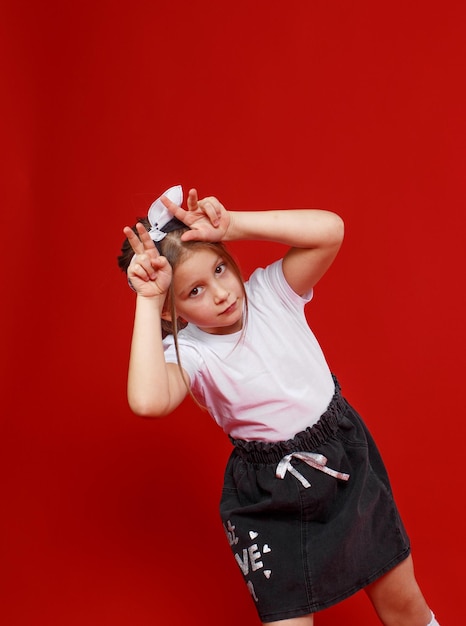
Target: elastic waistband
{"x": 309, "y": 439}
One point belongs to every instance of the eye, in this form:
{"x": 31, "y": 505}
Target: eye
{"x": 196, "y": 291}
{"x": 221, "y": 267}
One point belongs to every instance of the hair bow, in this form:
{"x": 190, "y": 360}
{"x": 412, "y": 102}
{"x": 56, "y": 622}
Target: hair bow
{"x": 160, "y": 218}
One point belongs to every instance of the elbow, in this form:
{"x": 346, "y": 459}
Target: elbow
{"x": 148, "y": 410}
{"x": 337, "y": 230}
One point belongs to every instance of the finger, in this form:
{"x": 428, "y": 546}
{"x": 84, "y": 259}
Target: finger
{"x": 133, "y": 240}
{"x": 193, "y": 235}
{"x": 139, "y": 241}
{"x": 147, "y": 242}
{"x": 174, "y": 209}
{"x": 193, "y": 200}
{"x": 171, "y": 206}
{"x": 158, "y": 263}
{"x": 211, "y": 209}
{"x": 136, "y": 270}
{"x": 141, "y": 266}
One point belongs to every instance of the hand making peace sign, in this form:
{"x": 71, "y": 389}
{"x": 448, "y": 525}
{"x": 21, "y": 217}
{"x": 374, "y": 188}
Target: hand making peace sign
{"x": 149, "y": 273}
{"x": 207, "y": 218}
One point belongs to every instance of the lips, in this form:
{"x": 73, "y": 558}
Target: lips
{"x": 230, "y": 309}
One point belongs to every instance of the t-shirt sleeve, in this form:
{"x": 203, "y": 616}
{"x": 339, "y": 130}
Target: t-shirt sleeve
{"x": 190, "y": 359}
{"x": 273, "y": 280}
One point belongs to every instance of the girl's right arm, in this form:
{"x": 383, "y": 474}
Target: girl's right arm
{"x": 155, "y": 388}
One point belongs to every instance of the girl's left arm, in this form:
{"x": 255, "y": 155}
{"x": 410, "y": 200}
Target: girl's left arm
{"x": 314, "y": 237}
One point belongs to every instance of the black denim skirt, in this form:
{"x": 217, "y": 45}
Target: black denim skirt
{"x": 311, "y": 520}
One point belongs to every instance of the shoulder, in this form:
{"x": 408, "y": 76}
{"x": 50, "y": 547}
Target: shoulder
{"x": 271, "y": 281}
{"x": 188, "y": 347}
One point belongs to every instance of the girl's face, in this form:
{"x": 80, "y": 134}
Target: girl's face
{"x": 208, "y": 294}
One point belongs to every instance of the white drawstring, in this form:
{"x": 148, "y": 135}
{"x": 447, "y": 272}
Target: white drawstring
{"x": 317, "y": 461}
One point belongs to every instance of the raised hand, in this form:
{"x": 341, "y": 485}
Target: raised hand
{"x": 207, "y": 218}
{"x": 149, "y": 273}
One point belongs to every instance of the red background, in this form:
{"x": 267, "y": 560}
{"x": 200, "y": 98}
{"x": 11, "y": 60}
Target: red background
{"x": 356, "y": 107}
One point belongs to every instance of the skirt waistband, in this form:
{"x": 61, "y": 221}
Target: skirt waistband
{"x": 309, "y": 439}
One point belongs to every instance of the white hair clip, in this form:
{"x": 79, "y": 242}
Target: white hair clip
{"x": 159, "y": 216}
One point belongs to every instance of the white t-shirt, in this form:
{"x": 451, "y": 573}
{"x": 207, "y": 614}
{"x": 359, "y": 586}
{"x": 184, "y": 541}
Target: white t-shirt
{"x": 269, "y": 382}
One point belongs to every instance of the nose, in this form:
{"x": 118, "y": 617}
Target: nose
{"x": 221, "y": 294}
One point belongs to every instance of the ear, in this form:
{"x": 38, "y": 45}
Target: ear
{"x": 166, "y": 315}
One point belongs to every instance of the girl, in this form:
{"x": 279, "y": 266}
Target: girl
{"x": 306, "y": 505}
